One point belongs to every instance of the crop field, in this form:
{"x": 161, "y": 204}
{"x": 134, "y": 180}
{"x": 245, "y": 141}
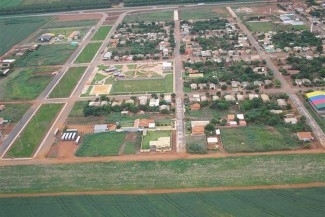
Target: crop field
{"x": 67, "y": 82}
{"x": 150, "y": 17}
{"x": 185, "y": 173}
{"x": 30, "y": 138}
{"x": 15, "y": 30}
{"x": 202, "y": 13}
{"x": 258, "y": 138}
{"x": 279, "y": 202}
{"x": 88, "y": 53}
{"x": 14, "y": 112}
{"x": 75, "y": 23}
{"x": 153, "y": 135}
{"x": 100, "y": 144}
{"x": 25, "y": 84}
{"x": 101, "y": 33}
{"x": 143, "y": 86}
{"x": 46, "y": 55}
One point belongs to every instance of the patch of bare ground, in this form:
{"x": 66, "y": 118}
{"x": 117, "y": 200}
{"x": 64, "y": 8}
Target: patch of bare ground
{"x": 63, "y": 149}
{"x": 76, "y": 17}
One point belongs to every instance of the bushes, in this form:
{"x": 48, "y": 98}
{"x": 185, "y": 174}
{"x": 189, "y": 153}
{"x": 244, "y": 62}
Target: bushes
{"x": 196, "y": 149}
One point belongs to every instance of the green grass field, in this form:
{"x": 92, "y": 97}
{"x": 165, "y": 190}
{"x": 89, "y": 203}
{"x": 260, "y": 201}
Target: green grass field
{"x": 10, "y": 3}
{"x": 209, "y": 172}
{"x": 15, "y": 30}
{"x": 269, "y": 26}
{"x": 88, "y": 53}
{"x": 75, "y": 23}
{"x": 25, "y": 84}
{"x": 129, "y": 148}
{"x": 152, "y": 136}
{"x": 46, "y": 55}
{"x": 258, "y": 138}
{"x": 202, "y": 13}
{"x": 14, "y": 112}
{"x": 150, "y": 17}
{"x": 100, "y": 144}
{"x": 31, "y": 137}
{"x": 241, "y": 203}
{"x": 67, "y": 83}
{"x": 143, "y": 86}
{"x": 101, "y": 33}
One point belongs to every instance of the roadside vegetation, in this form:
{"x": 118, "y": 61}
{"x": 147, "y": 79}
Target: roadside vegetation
{"x": 101, "y": 33}
{"x": 88, "y": 53}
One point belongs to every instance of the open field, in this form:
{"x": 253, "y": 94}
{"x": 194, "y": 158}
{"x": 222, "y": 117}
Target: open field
{"x": 269, "y": 26}
{"x": 101, "y": 33}
{"x": 258, "y": 138}
{"x": 276, "y": 202}
{"x": 46, "y": 55}
{"x": 152, "y": 136}
{"x": 150, "y": 17}
{"x": 67, "y": 82}
{"x": 15, "y": 30}
{"x": 74, "y": 23}
{"x": 100, "y": 144}
{"x": 208, "y": 172}
{"x": 9, "y": 3}
{"x": 14, "y": 112}
{"x": 30, "y": 138}
{"x": 203, "y": 13}
{"x": 25, "y": 84}
{"x": 88, "y": 53}
{"x": 143, "y": 86}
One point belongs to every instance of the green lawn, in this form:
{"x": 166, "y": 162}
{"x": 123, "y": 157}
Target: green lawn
{"x": 98, "y": 77}
{"x": 77, "y": 110}
{"x": 100, "y": 144}
{"x": 10, "y": 3}
{"x": 14, "y": 112}
{"x": 152, "y": 136}
{"x": 67, "y": 83}
{"x": 202, "y": 13}
{"x": 15, "y": 30}
{"x": 258, "y": 138}
{"x": 88, "y": 53}
{"x": 25, "y": 84}
{"x": 124, "y": 120}
{"x": 31, "y": 137}
{"x": 208, "y": 172}
{"x": 46, "y": 55}
{"x": 101, "y": 33}
{"x": 129, "y": 148}
{"x": 150, "y": 17}
{"x": 279, "y": 202}
{"x": 143, "y": 86}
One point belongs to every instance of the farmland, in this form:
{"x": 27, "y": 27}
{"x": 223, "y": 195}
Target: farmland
{"x": 279, "y": 202}
{"x": 100, "y": 144}
{"x": 46, "y": 55}
{"x": 15, "y": 30}
{"x": 208, "y": 172}
{"x": 258, "y": 138}
{"x": 28, "y": 141}
{"x": 101, "y": 33}
{"x": 67, "y": 82}
{"x": 25, "y": 84}
{"x": 88, "y": 53}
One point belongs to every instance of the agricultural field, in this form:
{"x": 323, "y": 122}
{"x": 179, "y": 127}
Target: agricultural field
{"x": 152, "y": 136}
{"x": 88, "y": 53}
{"x": 15, "y": 30}
{"x": 189, "y": 173}
{"x": 101, "y": 33}
{"x": 46, "y": 55}
{"x": 277, "y": 202}
{"x": 150, "y": 17}
{"x": 67, "y": 83}
{"x": 100, "y": 144}
{"x": 14, "y": 112}
{"x": 25, "y": 84}
{"x": 202, "y": 13}
{"x": 257, "y": 138}
{"x": 31, "y": 137}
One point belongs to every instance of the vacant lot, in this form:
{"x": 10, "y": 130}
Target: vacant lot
{"x": 257, "y": 138}
{"x": 101, "y": 33}
{"x": 46, "y": 55}
{"x": 150, "y": 17}
{"x": 67, "y": 83}
{"x": 88, "y": 53}
{"x": 25, "y": 84}
{"x": 209, "y": 172}
{"x": 143, "y": 86}
{"x": 269, "y": 26}
{"x": 280, "y": 202}
{"x": 14, "y": 112}
{"x": 152, "y": 136}
{"x": 202, "y": 13}
{"x": 15, "y": 30}
{"x": 28, "y": 141}
{"x": 100, "y": 144}
{"x": 63, "y": 24}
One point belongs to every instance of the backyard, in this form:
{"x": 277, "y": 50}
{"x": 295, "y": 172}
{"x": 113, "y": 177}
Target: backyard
{"x": 152, "y": 136}
{"x": 88, "y": 53}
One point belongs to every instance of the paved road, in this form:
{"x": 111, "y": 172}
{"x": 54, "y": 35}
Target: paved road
{"x": 285, "y": 87}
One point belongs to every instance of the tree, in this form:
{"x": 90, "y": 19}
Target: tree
{"x": 224, "y": 87}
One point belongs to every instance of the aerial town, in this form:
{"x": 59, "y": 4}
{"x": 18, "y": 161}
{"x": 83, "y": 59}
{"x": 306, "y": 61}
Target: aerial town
{"x": 219, "y": 87}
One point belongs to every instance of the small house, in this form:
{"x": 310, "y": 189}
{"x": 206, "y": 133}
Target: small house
{"x": 305, "y": 136}
{"x": 281, "y": 102}
{"x": 195, "y": 107}
{"x": 100, "y": 128}
{"x": 232, "y": 123}
{"x": 290, "y": 120}
{"x": 193, "y": 86}
{"x": 166, "y": 66}
{"x": 265, "y": 97}
{"x": 198, "y": 130}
